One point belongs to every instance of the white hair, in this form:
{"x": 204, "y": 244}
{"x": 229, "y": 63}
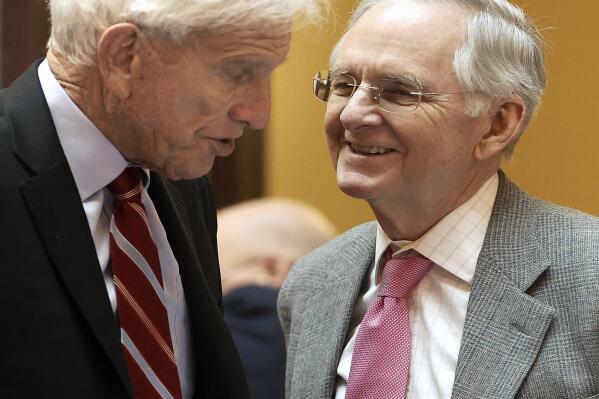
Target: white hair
{"x": 78, "y": 24}
{"x": 502, "y": 55}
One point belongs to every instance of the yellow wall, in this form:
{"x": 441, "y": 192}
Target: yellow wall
{"x": 556, "y": 159}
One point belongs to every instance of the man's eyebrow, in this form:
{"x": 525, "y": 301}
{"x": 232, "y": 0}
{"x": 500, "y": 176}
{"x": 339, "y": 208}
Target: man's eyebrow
{"x": 338, "y": 71}
{"x": 245, "y": 62}
{"x": 256, "y": 64}
{"x": 408, "y": 80}
{"x": 405, "y": 79}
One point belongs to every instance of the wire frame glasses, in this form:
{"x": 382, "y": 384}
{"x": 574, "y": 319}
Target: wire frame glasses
{"x": 392, "y": 95}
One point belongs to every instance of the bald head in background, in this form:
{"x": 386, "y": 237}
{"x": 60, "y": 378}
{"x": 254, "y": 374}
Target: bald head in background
{"x": 260, "y": 239}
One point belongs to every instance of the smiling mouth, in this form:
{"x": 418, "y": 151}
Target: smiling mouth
{"x": 368, "y": 149}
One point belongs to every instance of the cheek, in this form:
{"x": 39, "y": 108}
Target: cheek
{"x": 334, "y": 133}
{"x": 190, "y": 126}
{"x": 183, "y": 112}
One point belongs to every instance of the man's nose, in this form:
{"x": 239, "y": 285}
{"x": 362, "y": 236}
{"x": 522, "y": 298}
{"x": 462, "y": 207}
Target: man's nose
{"x": 253, "y": 107}
{"x": 360, "y": 111}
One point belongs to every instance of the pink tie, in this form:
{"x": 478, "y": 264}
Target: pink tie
{"x": 145, "y": 332}
{"x": 381, "y": 357}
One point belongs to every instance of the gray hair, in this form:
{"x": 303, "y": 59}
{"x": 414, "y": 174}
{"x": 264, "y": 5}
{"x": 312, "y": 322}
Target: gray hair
{"x": 78, "y": 24}
{"x": 501, "y": 56}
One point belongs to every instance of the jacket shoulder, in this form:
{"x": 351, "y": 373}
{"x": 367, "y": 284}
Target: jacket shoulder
{"x": 317, "y": 268}
{"x": 515, "y": 205}
{"x": 569, "y": 231}
{"x": 557, "y": 229}
{"x": 341, "y": 244}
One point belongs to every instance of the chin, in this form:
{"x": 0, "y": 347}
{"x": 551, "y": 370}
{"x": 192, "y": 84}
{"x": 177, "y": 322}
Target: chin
{"x": 357, "y": 186}
{"x": 188, "y": 171}
{"x": 196, "y": 173}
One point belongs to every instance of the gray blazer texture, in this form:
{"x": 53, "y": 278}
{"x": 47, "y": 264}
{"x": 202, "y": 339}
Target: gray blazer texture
{"x": 532, "y": 323}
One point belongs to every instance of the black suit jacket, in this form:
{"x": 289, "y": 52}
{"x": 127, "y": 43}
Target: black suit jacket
{"x": 59, "y": 337}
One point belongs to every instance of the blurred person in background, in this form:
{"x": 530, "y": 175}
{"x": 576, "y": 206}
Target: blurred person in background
{"x": 110, "y": 280}
{"x": 465, "y": 286}
{"x": 258, "y": 242}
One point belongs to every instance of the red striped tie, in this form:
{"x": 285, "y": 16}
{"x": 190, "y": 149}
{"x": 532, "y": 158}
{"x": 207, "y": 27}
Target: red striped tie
{"x": 145, "y": 333}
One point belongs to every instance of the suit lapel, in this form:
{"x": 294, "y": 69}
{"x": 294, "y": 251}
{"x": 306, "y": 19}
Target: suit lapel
{"x": 504, "y": 326}
{"x": 56, "y": 210}
{"x": 170, "y": 208}
{"x": 63, "y": 227}
{"x": 213, "y": 344}
{"x": 326, "y": 319}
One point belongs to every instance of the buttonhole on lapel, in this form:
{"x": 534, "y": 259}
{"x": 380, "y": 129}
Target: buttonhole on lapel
{"x": 521, "y": 326}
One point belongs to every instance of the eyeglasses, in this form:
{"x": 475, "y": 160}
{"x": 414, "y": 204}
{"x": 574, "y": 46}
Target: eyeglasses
{"x": 393, "y": 95}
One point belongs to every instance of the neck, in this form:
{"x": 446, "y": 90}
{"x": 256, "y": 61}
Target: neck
{"x": 403, "y": 221}
{"x": 84, "y": 85}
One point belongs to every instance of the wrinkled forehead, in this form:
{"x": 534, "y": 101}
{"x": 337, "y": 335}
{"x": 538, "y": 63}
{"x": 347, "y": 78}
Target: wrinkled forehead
{"x": 261, "y": 48}
{"x": 405, "y": 36}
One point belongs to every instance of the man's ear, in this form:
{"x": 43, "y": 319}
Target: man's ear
{"x": 506, "y": 124}
{"x": 117, "y": 48}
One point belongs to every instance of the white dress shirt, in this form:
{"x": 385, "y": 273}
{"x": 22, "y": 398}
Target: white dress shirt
{"x": 438, "y": 304}
{"x": 95, "y": 162}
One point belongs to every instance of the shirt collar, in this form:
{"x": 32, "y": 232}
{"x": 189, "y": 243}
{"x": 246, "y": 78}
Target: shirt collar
{"x": 454, "y": 243}
{"x": 94, "y": 161}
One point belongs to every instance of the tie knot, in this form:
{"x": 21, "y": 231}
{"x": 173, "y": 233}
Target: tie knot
{"x": 402, "y": 275}
{"x": 128, "y": 185}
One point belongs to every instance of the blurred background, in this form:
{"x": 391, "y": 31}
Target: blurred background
{"x": 556, "y": 159}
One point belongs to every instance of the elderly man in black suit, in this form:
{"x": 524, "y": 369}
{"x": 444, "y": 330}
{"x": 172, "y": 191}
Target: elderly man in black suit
{"x": 110, "y": 278}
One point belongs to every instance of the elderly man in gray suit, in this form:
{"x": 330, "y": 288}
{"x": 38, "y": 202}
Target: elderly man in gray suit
{"x": 465, "y": 287}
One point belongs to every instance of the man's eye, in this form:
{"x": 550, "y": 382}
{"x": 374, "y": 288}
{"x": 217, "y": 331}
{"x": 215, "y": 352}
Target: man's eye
{"x": 400, "y": 95}
{"x": 341, "y": 88}
{"x": 240, "y": 75}
{"x": 342, "y": 85}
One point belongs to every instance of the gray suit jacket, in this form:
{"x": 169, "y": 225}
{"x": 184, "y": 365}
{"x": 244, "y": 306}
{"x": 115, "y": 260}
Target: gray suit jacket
{"x": 532, "y": 324}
